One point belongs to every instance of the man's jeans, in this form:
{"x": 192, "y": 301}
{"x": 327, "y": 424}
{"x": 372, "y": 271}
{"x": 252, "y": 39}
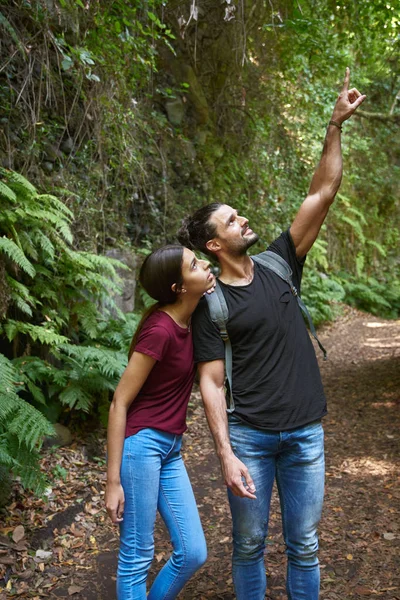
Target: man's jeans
{"x": 296, "y": 459}
{"x": 154, "y": 477}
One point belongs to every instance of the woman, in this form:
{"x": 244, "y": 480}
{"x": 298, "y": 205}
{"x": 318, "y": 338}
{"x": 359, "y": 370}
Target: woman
{"x": 147, "y": 418}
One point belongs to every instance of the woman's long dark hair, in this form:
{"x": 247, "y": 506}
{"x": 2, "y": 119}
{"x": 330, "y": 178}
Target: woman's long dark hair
{"x": 159, "y": 271}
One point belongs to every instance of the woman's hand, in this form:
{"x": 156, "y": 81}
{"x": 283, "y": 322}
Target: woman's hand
{"x": 115, "y": 501}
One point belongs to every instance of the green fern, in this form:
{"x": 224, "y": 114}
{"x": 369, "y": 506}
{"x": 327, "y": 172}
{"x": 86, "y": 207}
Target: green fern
{"x": 75, "y": 397}
{"x": 56, "y": 205}
{"x": 378, "y": 246}
{"x": 88, "y": 317}
{"x": 17, "y": 182}
{"x": 110, "y": 363}
{"x": 64, "y": 298}
{"x": 22, "y": 429}
{"x": 27, "y": 244}
{"x": 15, "y": 253}
{"x": 45, "y": 217}
{"x": 355, "y": 225}
{"x": 44, "y": 244}
{"x": 35, "y": 332}
{"x": 7, "y": 192}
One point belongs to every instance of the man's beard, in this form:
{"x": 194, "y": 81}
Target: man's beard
{"x": 244, "y": 244}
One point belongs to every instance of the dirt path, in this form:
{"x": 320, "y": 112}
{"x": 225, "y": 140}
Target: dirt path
{"x": 359, "y": 533}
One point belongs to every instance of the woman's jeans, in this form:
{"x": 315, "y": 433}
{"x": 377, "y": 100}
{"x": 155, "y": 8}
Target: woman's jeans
{"x": 154, "y": 477}
{"x": 296, "y": 459}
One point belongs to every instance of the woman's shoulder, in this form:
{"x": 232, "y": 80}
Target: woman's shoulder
{"x": 157, "y": 320}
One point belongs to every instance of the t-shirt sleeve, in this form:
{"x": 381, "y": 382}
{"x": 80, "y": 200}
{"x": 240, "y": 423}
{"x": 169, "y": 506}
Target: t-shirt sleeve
{"x": 284, "y": 247}
{"x": 153, "y": 340}
{"x": 207, "y": 342}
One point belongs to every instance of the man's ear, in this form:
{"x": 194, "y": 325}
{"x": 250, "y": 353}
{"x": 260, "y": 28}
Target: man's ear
{"x": 213, "y": 245}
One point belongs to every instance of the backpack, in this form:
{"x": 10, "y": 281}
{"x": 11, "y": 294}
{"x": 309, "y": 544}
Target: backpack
{"x": 219, "y": 310}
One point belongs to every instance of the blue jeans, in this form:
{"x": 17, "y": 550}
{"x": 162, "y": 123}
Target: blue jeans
{"x": 296, "y": 459}
{"x": 154, "y": 477}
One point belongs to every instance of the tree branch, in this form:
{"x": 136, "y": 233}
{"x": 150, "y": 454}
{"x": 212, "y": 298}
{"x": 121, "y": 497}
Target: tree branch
{"x": 383, "y": 117}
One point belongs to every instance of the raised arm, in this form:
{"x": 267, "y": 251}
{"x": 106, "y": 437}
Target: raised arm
{"x": 132, "y": 380}
{"x": 328, "y": 174}
{"x": 213, "y": 394}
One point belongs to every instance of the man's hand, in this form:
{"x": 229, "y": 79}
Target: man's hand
{"x": 347, "y": 102}
{"x": 115, "y": 501}
{"x": 234, "y": 471}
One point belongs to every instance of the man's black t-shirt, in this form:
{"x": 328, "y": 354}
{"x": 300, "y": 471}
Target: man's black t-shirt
{"x": 275, "y": 377}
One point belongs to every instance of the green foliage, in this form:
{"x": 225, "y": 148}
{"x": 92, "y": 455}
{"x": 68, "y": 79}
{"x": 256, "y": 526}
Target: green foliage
{"x": 377, "y": 297}
{"x": 63, "y": 345}
{"x": 91, "y": 120}
{"x": 60, "y": 472}
{"x": 22, "y": 428}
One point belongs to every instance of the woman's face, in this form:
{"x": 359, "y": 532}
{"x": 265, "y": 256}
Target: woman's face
{"x": 196, "y": 274}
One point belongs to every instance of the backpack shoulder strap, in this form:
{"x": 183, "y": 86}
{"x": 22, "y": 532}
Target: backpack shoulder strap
{"x": 280, "y": 267}
{"x": 275, "y": 263}
{"x": 219, "y": 315}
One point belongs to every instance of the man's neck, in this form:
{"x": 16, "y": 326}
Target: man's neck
{"x": 236, "y": 270}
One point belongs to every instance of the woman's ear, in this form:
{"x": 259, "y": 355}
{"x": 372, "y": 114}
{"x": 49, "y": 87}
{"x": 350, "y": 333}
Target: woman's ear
{"x": 177, "y": 290}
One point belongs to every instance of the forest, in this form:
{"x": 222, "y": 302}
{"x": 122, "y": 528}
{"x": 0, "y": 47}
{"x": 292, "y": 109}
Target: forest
{"x": 118, "y": 118}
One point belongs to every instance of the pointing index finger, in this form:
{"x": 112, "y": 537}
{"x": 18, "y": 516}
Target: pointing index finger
{"x": 346, "y": 80}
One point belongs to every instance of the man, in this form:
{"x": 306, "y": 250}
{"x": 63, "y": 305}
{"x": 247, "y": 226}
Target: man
{"x": 275, "y": 428}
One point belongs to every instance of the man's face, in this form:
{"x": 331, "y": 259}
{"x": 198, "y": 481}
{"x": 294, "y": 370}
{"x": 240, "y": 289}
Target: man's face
{"x": 233, "y": 231}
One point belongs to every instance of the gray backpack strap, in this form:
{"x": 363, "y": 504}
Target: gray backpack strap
{"x": 278, "y": 265}
{"x": 219, "y": 315}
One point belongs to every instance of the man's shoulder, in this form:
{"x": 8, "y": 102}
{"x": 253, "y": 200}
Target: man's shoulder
{"x": 201, "y": 315}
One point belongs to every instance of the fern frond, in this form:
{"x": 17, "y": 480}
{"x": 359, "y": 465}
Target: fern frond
{"x": 44, "y": 243}
{"x": 36, "y": 392}
{"x": 35, "y": 332}
{"x": 44, "y": 271}
{"x": 34, "y": 367}
{"x": 45, "y": 216}
{"x": 87, "y": 314}
{"x": 78, "y": 258}
{"x": 355, "y": 211}
{"x": 7, "y": 219}
{"x": 8, "y": 374}
{"x": 9, "y": 400}
{"x": 7, "y": 193}
{"x": 27, "y": 245}
{"x": 56, "y": 204}
{"x": 26, "y": 465}
{"x": 75, "y": 397}
{"x": 30, "y": 426}
{"x": 98, "y": 284}
{"x": 17, "y": 182}
{"x": 15, "y": 253}
{"x": 106, "y": 263}
{"x": 354, "y": 225}
{"x": 5, "y": 456}
{"x": 22, "y": 305}
{"x": 109, "y": 363}
{"x": 378, "y": 246}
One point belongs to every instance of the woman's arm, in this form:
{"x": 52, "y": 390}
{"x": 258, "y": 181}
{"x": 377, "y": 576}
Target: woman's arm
{"x": 132, "y": 380}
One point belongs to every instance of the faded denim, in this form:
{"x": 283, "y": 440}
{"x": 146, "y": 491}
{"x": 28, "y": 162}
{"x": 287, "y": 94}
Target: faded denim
{"x": 154, "y": 478}
{"x": 296, "y": 459}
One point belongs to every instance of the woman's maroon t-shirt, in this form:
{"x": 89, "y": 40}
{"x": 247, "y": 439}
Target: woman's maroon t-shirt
{"x": 162, "y": 401}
